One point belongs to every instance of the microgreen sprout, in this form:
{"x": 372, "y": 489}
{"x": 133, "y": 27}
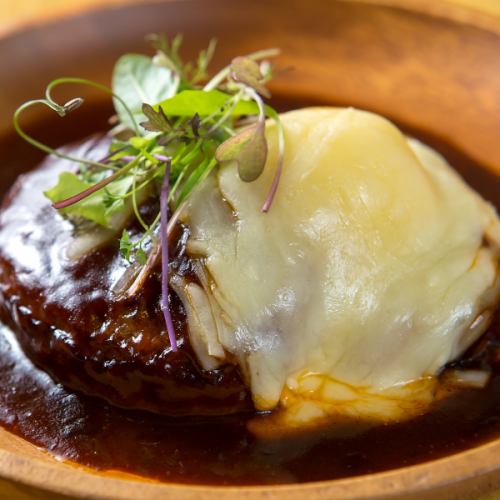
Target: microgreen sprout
{"x": 62, "y": 111}
{"x": 249, "y": 147}
{"x": 279, "y": 168}
{"x": 164, "y": 253}
{"x": 176, "y": 126}
{"x": 96, "y": 187}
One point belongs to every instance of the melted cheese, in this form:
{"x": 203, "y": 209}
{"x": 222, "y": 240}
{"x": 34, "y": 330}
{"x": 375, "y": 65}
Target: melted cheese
{"x": 370, "y": 270}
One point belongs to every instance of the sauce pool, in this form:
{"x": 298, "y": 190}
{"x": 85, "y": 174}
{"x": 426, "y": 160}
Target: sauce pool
{"x": 220, "y": 450}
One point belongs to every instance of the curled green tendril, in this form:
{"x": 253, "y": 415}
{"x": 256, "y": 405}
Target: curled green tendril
{"x": 62, "y": 111}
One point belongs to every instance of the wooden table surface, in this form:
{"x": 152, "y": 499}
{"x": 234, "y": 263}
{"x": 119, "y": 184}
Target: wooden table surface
{"x": 18, "y": 13}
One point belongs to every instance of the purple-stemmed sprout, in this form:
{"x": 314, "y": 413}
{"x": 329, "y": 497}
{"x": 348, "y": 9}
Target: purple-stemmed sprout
{"x": 107, "y": 158}
{"x": 154, "y": 255}
{"x": 96, "y": 187}
{"x": 126, "y": 158}
{"x": 131, "y": 160}
{"x": 164, "y": 253}
{"x": 163, "y": 158}
{"x": 277, "y": 176}
{"x": 248, "y": 148}
{"x": 247, "y": 71}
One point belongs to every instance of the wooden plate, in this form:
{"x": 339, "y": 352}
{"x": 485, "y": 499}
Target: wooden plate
{"x": 430, "y": 69}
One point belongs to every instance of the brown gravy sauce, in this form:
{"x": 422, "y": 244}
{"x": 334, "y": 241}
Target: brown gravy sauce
{"x": 221, "y": 450}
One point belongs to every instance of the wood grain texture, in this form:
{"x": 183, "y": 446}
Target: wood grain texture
{"x": 435, "y": 73}
{"x": 14, "y": 15}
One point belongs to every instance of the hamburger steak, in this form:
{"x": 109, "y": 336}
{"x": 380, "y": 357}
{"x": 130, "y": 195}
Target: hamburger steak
{"x": 70, "y": 322}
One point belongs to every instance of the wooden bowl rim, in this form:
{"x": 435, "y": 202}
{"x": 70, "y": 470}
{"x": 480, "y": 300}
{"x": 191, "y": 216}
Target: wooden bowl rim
{"x": 78, "y": 481}
{"x": 442, "y": 9}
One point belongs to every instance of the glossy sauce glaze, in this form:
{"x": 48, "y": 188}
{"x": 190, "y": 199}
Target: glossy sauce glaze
{"x": 221, "y": 449}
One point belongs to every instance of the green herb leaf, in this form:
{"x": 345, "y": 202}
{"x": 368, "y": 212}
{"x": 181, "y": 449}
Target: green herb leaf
{"x": 195, "y": 124}
{"x": 248, "y": 148}
{"x": 126, "y": 246}
{"x": 141, "y": 256}
{"x": 96, "y": 207}
{"x": 189, "y": 102}
{"x": 157, "y": 120}
{"x": 132, "y": 251}
{"x": 137, "y": 80}
{"x": 247, "y": 71}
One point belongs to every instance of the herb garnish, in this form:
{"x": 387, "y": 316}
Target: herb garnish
{"x": 172, "y": 132}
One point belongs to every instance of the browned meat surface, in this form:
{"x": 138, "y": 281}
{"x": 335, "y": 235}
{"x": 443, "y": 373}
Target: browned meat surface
{"x": 70, "y": 322}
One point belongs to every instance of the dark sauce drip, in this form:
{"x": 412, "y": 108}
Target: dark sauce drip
{"x": 221, "y": 450}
